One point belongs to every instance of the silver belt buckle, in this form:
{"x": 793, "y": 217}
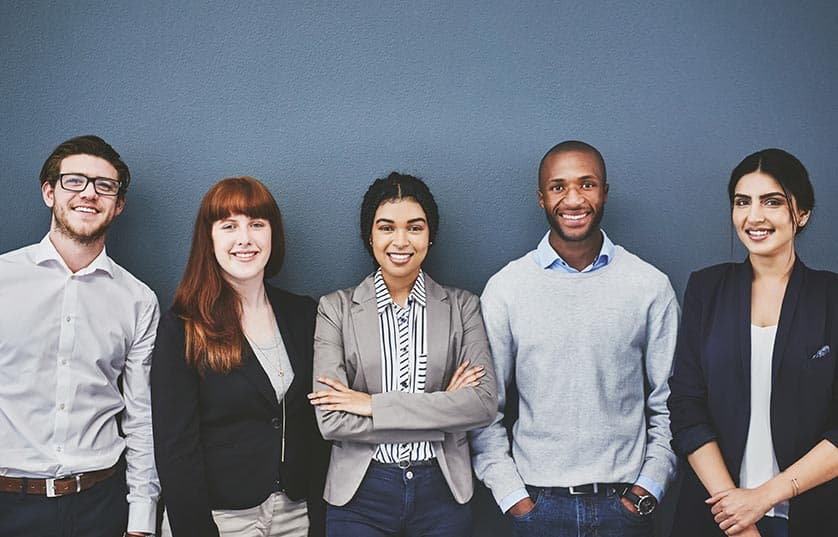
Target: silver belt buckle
{"x": 50, "y": 484}
{"x": 573, "y": 492}
{"x": 404, "y": 465}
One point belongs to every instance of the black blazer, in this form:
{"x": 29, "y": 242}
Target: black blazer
{"x": 217, "y": 438}
{"x": 710, "y": 385}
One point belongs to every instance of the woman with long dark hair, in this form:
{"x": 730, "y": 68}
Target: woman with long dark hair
{"x": 399, "y": 366}
{"x": 754, "y": 402}
{"x": 236, "y": 444}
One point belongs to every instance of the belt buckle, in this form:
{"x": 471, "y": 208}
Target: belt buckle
{"x": 585, "y": 490}
{"x": 50, "y": 484}
{"x": 404, "y": 465}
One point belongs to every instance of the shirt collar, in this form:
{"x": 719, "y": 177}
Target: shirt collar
{"x": 45, "y": 251}
{"x": 383, "y": 298}
{"x": 547, "y": 257}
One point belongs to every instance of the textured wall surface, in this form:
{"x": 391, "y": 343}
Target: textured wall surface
{"x": 317, "y": 99}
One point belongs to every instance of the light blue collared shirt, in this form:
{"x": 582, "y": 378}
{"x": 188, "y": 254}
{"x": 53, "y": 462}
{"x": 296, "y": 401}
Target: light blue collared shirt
{"x": 547, "y": 258}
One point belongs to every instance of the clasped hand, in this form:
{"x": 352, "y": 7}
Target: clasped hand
{"x": 737, "y": 510}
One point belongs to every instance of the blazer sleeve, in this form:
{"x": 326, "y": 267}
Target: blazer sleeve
{"x": 329, "y": 361}
{"x": 455, "y": 411}
{"x": 177, "y": 444}
{"x": 831, "y": 433}
{"x": 690, "y": 420}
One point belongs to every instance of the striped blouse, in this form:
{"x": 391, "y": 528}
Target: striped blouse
{"x": 404, "y": 358}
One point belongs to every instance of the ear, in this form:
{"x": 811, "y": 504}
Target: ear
{"x": 48, "y": 193}
{"x": 803, "y": 218}
{"x": 120, "y": 204}
{"x": 605, "y": 191}
{"x": 540, "y": 197}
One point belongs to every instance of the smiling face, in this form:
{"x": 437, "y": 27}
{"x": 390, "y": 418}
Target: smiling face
{"x": 763, "y": 219}
{"x": 242, "y": 247}
{"x": 83, "y": 217}
{"x": 572, "y": 191}
{"x": 400, "y": 239}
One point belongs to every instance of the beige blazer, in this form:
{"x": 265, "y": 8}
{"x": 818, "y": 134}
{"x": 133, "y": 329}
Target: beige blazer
{"x": 347, "y": 348}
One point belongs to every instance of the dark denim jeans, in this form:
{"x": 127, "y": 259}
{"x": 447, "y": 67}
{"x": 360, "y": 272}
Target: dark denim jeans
{"x": 561, "y": 515}
{"x": 393, "y": 502}
{"x": 101, "y": 511}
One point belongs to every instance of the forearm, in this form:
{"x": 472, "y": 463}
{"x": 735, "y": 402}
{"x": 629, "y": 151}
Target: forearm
{"x": 818, "y": 466}
{"x": 709, "y": 466}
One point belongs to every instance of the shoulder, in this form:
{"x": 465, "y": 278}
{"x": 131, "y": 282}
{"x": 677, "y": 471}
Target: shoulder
{"x": 131, "y": 283}
{"x": 640, "y": 275}
{"x": 289, "y": 300}
{"x": 19, "y": 255}
{"x": 513, "y": 273}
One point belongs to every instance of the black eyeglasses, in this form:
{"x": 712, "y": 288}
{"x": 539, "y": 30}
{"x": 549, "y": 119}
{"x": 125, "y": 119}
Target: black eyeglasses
{"x": 77, "y": 182}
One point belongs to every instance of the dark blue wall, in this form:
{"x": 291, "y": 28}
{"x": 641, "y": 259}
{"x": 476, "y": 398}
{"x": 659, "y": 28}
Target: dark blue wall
{"x": 317, "y": 99}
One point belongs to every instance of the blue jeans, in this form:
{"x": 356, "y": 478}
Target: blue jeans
{"x": 392, "y": 502}
{"x": 101, "y": 511}
{"x": 560, "y": 515}
{"x": 771, "y": 526}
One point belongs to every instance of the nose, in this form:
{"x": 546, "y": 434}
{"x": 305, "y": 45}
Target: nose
{"x": 89, "y": 191}
{"x": 755, "y": 213}
{"x": 400, "y": 238}
{"x": 243, "y": 235}
{"x": 573, "y": 197}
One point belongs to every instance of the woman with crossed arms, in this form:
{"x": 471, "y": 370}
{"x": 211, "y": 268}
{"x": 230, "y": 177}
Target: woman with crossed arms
{"x": 402, "y": 370}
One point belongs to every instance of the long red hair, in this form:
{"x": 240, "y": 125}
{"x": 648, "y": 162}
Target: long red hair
{"x": 207, "y": 303}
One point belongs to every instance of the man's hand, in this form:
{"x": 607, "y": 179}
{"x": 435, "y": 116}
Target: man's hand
{"x": 640, "y": 491}
{"x": 523, "y": 507}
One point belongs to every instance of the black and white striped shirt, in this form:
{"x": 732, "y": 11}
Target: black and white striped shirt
{"x": 404, "y": 358}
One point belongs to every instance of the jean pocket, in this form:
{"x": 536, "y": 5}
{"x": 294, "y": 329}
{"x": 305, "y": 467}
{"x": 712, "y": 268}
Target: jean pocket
{"x": 529, "y": 515}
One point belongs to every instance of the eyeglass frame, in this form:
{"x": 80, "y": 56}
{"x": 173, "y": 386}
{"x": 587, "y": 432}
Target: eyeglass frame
{"x": 89, "y": 180}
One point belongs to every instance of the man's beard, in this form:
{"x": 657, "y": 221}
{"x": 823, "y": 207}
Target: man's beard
{"x": 63, "y": 227}
{"x": 592, "y": 228}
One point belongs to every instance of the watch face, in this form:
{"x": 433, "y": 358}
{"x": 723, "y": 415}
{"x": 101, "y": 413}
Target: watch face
{"x": 646, "y": 504}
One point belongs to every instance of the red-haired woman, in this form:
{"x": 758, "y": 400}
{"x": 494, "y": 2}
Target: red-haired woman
{"x": 236, "y": 444}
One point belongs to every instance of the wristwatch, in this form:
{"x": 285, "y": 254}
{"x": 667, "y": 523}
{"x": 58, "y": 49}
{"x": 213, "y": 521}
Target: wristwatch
{"x": 645, "y": 504}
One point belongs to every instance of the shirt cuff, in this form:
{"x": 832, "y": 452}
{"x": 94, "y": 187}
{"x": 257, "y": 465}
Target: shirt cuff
{"x": 142, "y": 517}
{"x": 653, "y": 488}
{"x": 512, "y": 498}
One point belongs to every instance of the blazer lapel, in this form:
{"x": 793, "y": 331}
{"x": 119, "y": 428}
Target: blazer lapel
{"x": 290, "y": 344}
{"x": 786, "y": 317}
{"x": 364, "y": 315}
{"x": 743, "y": 330}
{"x": 252, "y": 370}
{"x": 439, "y": 327}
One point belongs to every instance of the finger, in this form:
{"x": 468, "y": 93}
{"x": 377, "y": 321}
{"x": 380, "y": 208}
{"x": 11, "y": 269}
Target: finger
{"x": 718, "y": 496}
{"x": 334, "y": 384}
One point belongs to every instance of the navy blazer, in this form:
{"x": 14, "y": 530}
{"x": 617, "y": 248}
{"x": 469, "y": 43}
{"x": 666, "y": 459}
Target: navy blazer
{"x": 217, "y": 437}
{"x": 711, "y": 385}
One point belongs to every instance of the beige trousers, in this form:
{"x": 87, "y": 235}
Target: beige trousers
{"x": 277, "y": 516}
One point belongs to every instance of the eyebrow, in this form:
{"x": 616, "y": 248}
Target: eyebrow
{"x": 761, "y": 196}
{"x": 411, "y": 221}
{"x": 580, "y": 178}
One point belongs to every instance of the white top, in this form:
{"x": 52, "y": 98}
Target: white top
{"x": 759, "y": 463}
{"x": 274, "y": 359}
{"x": 65, "y": 338}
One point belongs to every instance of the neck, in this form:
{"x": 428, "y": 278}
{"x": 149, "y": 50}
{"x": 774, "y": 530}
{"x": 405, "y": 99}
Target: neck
{"x": 774, "y": 267}
{"x": 75, "y": 254}
{"x": 577, "y": 254}
{"x": 399, "y": 288}
{"x": 251, "y": 294}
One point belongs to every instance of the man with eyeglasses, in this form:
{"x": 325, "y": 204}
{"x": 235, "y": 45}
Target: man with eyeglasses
{"x": 76, "y": 335}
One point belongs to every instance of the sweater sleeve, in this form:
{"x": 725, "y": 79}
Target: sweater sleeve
{"x": 491, "y": 457}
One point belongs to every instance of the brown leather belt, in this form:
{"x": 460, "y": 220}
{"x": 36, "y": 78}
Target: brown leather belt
{"x": 58, "y": 486}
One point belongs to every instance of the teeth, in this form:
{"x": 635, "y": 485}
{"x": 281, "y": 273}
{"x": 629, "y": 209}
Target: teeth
{"x": 758, "y": 233}
{"x": 245, "y": 255}
{"x": 399, "y": 257}
{"x": 85, "y": 210}
{"x": 574, "y": 216}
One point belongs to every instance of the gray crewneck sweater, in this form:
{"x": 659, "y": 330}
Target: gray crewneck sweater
{"x": 580, "y": 348}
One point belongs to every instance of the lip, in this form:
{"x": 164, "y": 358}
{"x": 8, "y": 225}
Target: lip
{"x": 759, "y": 234}
{"x": 244, "y": 256}
{"x": 399, "y": 258}
{"x": 574, "y": 219}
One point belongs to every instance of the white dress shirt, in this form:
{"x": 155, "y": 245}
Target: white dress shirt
{"x": 65, "y": 338}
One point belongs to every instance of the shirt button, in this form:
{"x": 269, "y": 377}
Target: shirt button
{"x": 61, "y": 406}
{"x": 68, "y": 318}
{"x": 63, "y": 362}
{"x": 275, "y": 423}
{"x": 58, "y": 449}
